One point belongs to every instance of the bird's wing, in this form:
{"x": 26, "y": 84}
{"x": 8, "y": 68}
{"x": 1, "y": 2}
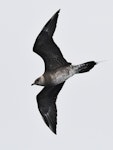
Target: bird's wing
{"x": 46, "y": 100}
{"x": 46, "y": 47}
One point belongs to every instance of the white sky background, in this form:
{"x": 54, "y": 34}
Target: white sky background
{"x": 85, "y": 104}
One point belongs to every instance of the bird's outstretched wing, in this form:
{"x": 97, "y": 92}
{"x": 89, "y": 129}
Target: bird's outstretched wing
{"x": 46, "y": 100}
{"x": 46, "y": 47}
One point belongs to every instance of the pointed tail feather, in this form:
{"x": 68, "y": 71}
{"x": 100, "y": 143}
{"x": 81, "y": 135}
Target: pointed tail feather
{"x": 85, "y": 67}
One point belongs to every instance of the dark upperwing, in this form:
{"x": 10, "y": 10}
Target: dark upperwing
{"x": 46, "y": 100}
{"x": 46, "y": 47}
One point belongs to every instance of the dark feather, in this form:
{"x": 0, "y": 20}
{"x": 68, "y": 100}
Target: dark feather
{"x": 46, "y": 47}
{"x": 46, "y": 100}
{"x": 85, "y": 67}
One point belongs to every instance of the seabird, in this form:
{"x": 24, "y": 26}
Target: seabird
{"x": 57, "y": 71}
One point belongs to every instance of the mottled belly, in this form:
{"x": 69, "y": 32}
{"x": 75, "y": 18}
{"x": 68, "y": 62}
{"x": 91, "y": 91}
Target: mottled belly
{"x": 62, "y": 75}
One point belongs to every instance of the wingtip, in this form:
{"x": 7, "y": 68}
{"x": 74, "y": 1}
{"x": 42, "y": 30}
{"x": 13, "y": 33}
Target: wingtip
{"x": 56, "y": 14}
{"x": 58, "y": 11}
{"x": 52, "y": 127}
{"x": 54, "y": 131}
{"x": 51, "y": 24}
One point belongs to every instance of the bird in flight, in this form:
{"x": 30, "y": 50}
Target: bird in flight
{"x": 57, "y": 71}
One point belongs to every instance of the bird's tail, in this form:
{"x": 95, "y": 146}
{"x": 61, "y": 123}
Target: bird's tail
{"x": 85, "y": 67}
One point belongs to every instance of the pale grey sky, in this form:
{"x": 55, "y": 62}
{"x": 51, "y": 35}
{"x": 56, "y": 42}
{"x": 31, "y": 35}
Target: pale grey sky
{"x": 85, "y": 104}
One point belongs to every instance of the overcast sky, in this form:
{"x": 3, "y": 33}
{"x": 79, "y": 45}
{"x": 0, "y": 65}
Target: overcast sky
{"x": 85, "y": 104}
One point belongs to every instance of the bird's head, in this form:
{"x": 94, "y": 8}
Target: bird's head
{"x": 39, "y": 81}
